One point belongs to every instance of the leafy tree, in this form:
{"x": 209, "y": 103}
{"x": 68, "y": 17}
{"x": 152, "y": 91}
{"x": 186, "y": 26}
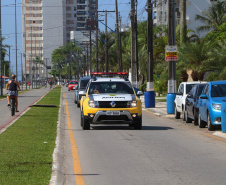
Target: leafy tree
{"x": 213, "y": 18}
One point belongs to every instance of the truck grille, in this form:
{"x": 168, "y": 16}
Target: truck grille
{"x": 107, "y": 104}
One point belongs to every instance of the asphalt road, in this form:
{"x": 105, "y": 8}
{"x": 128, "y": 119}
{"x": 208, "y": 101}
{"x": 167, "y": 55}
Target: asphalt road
{"x": 165, "y": 151}
{"x": 25, "y": 100}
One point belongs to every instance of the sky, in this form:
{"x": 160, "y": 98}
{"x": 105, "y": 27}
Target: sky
{"x": 8, "y": 23}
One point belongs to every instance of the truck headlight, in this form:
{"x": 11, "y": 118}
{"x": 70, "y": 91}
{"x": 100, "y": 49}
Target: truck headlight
{"x": 216, "y": 106}
{"x": 132, "y": 104}
{"x": 93, "y": 104}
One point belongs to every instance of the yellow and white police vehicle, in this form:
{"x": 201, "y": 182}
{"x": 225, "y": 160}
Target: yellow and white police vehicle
{"x": 111, "y": 100}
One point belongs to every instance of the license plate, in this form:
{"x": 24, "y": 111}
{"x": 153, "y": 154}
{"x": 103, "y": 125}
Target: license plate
{"x": 113, "y": 113}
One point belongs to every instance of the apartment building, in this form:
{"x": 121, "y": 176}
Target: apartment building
{"x": 50, "y": 22}
{"x": 32, "y": 36}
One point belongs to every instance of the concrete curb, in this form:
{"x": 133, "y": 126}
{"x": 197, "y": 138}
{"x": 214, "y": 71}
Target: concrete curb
{"x": 58, "y": 177}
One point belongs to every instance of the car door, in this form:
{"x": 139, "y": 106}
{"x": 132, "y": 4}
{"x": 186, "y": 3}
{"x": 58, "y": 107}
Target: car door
{"x": 203, "y": 104}
{"x": 179, "y": 97}
{"x": 190, "y": 101}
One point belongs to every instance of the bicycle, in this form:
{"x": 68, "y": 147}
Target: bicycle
{"x": 12, "y": 104}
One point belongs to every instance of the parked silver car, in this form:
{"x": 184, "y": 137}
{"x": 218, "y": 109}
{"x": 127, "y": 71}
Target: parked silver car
{"x": 80, "y": 89}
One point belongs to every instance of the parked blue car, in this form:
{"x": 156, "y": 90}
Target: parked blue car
{"x": 210, "y": 104}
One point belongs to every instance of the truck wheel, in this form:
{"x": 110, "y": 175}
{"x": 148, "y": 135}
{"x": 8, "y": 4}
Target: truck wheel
{"x": 138, "y": 124}
{"x": 209, "y": 123}
{"x": 176, "y": 114}
{"x": 202, "y": 124}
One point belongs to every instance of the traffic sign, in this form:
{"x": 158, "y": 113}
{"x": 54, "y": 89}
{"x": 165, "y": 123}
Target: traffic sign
{"x": 171, "y": 53}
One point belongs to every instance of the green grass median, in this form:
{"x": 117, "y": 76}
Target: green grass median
{"x": 27, "y": 146}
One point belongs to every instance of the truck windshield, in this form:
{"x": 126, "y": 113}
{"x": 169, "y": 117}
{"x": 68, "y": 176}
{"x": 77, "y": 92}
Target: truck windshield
{"x": 111, "y": 87}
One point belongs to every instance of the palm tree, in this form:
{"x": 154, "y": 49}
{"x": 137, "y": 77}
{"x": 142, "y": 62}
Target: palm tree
{"x": 214, "y": 17}
{"x": 197, "y": 56}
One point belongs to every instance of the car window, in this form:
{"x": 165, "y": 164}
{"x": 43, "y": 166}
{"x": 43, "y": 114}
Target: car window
{"x": 218, "y": 90}
{"x": 206, "y": 90}
{"x": 200, "y": 89}
{"x": 110, "y": 87}
{"x": 191, "y": 92}
{"x": 83, "y": 84}
{"x": 189, "y": 87}
{"x": 73, "y": 82}
{"x": 181, "y": 88}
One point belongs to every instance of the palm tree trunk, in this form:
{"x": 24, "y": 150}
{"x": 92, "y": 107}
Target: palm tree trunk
{"x": 183, "y": 27}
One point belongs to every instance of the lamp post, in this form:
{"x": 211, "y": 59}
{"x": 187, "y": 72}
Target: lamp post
{"x": 16, "y": 36}
{"x": 1, "y": 45}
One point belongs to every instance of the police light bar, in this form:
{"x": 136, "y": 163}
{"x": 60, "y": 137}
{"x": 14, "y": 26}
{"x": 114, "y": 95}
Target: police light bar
{"x": 109, "y": 74}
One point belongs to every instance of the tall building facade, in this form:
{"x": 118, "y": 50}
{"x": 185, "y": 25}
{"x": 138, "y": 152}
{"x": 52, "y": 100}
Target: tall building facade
{"x": 32, "y": 36}
{"x": 47, "y": 23}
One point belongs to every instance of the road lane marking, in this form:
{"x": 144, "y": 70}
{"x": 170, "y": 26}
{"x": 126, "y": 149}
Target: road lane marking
{"x": 216, "y": 137}
{"x": 76, "y": 163}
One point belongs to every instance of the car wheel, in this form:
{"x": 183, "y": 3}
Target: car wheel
{"x": 187, "y": 119}
{"x": 201, "y": 123}
{"x": 78, "y": 105}
{"x": 176, "y": 114}
{"x": 209, "y": 123}
{"x": 196, "y": 119}
{"x": 183, "y": 113}
{"x": 138, "y": 124}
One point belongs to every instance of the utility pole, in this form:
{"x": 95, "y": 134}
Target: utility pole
{"x": 171, "y": 42}
{"x": 90, "y": 50}
{"x": 46, "y": 69}
{"x": 25, "y": 52}
{"x": 133, "y": 46}
{"x": 106, "y": 42}
{"x": 118, "y": 39}
{"x": 171, "y": 64}
{"x": 97, "y": 28}
{"x": 150, "y": 93}
{"x": 137, "y": 61}
{"x": 1, "y": 45}
{"x": 16, "y": 36}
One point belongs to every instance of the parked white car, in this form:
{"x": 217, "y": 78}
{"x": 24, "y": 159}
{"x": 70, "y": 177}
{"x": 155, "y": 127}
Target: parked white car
{"x": 179, "y": 102}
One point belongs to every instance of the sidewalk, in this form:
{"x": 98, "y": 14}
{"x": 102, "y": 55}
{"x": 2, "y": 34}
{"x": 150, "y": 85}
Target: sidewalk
{"x": 160, "y": 108}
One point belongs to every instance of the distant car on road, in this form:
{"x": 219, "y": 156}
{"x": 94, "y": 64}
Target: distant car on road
{"x": 80, "y": 90}
{"x": 72, "y": 84}
{"x": 179, "y": 102}
{"x": 210, "y": 104}
{"x": 191, "y": 103}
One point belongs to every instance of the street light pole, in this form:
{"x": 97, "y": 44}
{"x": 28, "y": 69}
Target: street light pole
{"x": 97, "y": 27}
{"x": 1, "y": 45}
{"x": 16, "y": 36}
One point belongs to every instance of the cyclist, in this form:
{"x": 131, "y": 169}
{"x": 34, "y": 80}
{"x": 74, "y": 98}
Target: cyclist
{"x": 50, "y": 83}
{"x": 13, "y": 86}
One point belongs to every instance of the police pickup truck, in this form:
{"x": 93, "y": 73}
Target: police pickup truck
{"x": 110, "y": 99}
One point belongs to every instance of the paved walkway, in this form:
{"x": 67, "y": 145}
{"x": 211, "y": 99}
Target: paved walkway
{"x": 160, "y": 108}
